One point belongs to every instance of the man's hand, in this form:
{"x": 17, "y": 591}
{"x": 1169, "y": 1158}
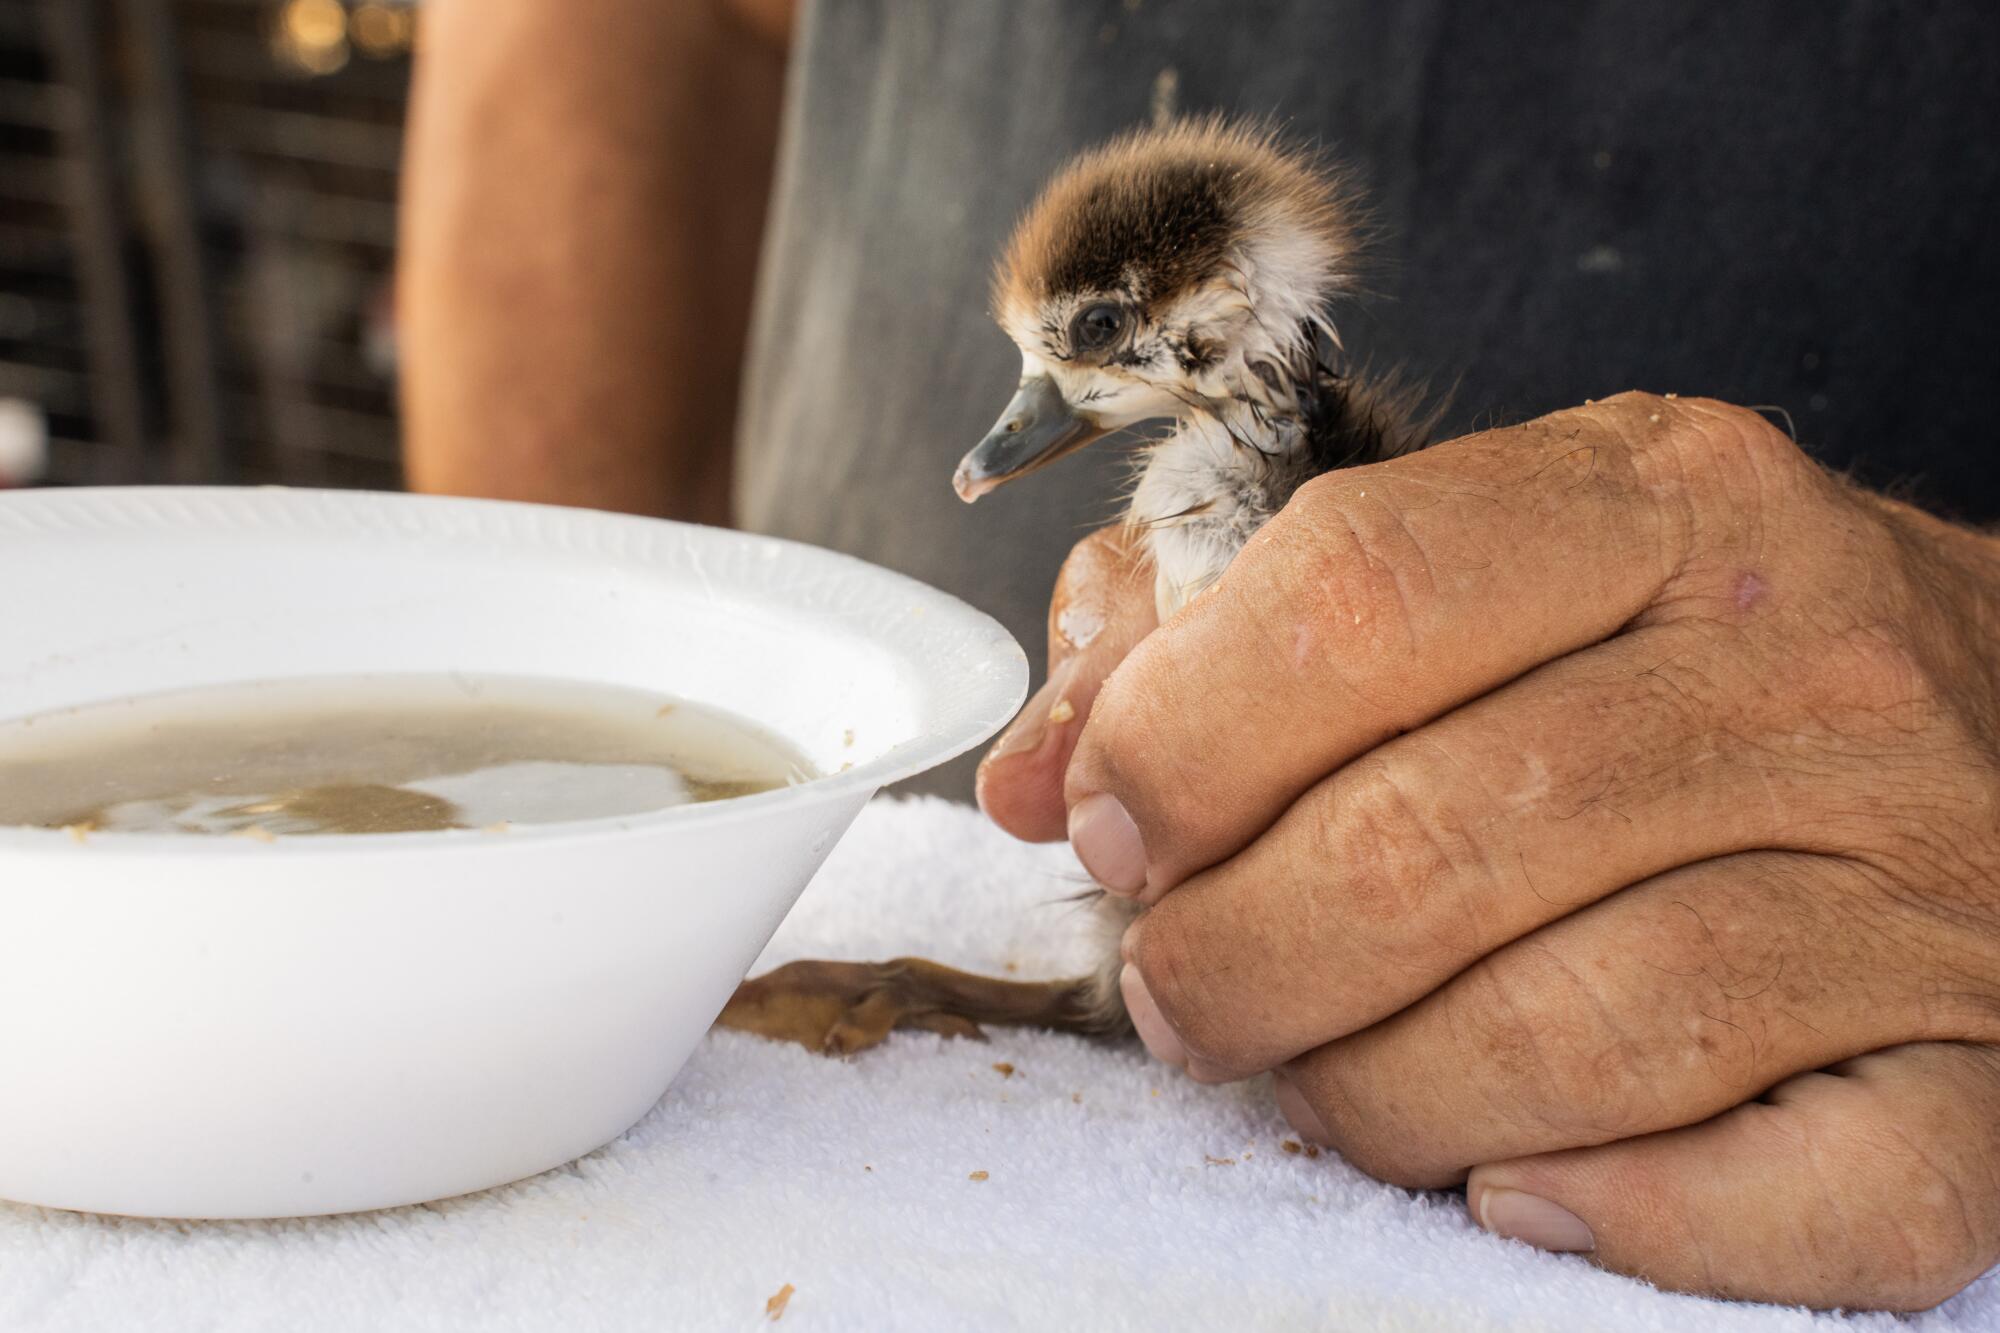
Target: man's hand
{"x": 1604, "y": 813}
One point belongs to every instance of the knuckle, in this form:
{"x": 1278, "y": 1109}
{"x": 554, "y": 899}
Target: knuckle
{"x": 1321, "y": 498}
{"x": 1881, "y": 669}
{"x": 1922, "y": 765}
{"x": 1864, "y": 682}
{"x": 1603, "y": 1094}
{"x": 1331, "y": 563}
{"x": 1373, "y": 835}
{"x": 1539, "y": 1028}
{"x": 1318, "y": 500}
{"x": 1172, "y": 964}
{"x": 1871, "y": 648}
{"x": 1731, "y": 434}
{"x": 1704, "y": 436}
{"x": 1634, "y": 417}
{"x": 1739, "y": 428}
{"x": 1638, "y": 415}
{"x": 1407, "y": 873}
{"x": 1721, "y": 458}
{"x": 1626, "y": 399}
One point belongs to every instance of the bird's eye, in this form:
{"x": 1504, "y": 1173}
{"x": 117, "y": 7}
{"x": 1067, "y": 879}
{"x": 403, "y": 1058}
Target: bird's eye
{"x": 1097, "y": 326}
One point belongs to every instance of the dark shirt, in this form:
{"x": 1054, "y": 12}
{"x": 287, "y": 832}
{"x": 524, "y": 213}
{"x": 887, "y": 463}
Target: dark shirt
{"x": 1788, "y": 205}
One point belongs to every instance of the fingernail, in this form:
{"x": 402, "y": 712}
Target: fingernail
{"x": 1107, "y": 842}
{"x": 1542, "y": 1224}
{"x": 1298, "y": 1112}
{"x": 1153, "y": 1029}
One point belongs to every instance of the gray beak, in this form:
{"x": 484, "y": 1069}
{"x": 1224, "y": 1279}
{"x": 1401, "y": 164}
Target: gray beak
{"x": 1037, "y": 428}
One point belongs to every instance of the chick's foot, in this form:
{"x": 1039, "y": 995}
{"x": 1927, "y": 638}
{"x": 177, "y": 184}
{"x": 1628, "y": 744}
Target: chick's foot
{"x": 838, "y": 1008}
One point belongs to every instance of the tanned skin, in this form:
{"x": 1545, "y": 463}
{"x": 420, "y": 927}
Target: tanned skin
{"x": 584, "y": 200}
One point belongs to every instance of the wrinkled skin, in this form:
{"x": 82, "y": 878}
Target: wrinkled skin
{"x": 1602, "y": 813}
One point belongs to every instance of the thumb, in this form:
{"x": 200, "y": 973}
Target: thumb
{"x": 1102, "y": 606}
{"x": 1874, "y": 1184}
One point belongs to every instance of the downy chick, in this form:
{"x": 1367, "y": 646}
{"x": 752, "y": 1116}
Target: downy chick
{"x": 1189, "y": 274}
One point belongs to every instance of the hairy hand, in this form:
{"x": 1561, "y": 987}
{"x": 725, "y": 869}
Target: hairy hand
{"x": 1603, "y": 813}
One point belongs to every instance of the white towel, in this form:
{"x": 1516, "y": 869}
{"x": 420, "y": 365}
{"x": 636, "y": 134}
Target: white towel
{"x": 1116, "y": 1193}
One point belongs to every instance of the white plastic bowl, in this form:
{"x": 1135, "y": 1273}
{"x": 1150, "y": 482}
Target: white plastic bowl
{"x": 195, "y": 1027}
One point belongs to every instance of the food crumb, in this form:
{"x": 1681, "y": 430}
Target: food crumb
{"x": 78, "y": 832}
{"x": 257, "y": 833}
{"x": 1003, "y": 1069}
{"x": 977, "y": 1175}
{"x": 1672, "y": 396}
{"x": 1063, "y": 711}
{"x": 500, "y": 827}
{"x": 1076, "y": 1097}
{"x": 1013, "y": 967}
{"x": 666, "y": 709}
{"x": 1218, "y": 1161}
{"x": 1654, "y": 417}
{"x": 1292, "y": 1146}
{"x": 1156, "y": 1092}
{"x": 847, "y": 737}
{"x": 867, "y": 1168}
{"x": 774, "y": 1309}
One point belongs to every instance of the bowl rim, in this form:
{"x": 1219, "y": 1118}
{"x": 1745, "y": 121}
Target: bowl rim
{"x": 938, "y": 634}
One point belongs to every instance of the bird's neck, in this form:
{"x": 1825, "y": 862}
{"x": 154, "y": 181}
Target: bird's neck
{"x": 1206, "y": 486}
{"x": 1274, "y": 428}
{"x": 1266, "y": 392}
{"x": 1245, "y": 447}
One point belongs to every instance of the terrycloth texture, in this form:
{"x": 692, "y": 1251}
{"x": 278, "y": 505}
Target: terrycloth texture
{"x": 1117, "y": 1194}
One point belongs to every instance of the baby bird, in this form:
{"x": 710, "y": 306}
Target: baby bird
{"x": 1191, "y": 274}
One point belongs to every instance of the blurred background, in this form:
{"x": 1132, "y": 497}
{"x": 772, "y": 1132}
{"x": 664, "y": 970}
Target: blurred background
{"x": 197, "y": 228}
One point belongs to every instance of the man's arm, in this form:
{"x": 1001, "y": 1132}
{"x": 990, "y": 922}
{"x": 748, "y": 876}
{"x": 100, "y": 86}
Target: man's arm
{"x": 585, "y": 192}
{"x": 1602, "y": 814}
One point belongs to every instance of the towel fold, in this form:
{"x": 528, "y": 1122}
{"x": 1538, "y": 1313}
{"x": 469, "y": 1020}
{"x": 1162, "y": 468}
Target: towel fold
{"x": 917, "y": 1186}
